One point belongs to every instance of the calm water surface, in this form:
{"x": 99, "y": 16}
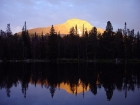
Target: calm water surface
{"x": 69, "y": 84}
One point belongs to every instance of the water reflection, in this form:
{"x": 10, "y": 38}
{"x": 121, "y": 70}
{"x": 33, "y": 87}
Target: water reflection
{"x": 73, "y": 78}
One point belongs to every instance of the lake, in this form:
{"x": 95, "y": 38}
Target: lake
{"x": 69, "y": 84}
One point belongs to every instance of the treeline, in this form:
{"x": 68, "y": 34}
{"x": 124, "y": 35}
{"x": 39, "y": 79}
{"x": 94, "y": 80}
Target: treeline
{"x": 92, "y": 45}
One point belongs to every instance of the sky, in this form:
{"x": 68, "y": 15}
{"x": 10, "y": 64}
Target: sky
{"x": 43, "y": 13}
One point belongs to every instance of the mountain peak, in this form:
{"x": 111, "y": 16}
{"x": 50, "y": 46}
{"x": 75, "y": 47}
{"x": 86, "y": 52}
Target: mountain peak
{"x": 80, "y": 25}
{"x": 65, "y": 27}
{"x": 75, "y": 20}
{"x": 78, "y": 22}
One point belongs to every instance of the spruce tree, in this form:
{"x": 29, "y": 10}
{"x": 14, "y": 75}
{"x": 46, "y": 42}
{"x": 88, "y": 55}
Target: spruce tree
{"x": 53, "y": 44}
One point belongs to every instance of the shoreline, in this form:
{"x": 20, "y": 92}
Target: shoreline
{"x": 75, "y": 61}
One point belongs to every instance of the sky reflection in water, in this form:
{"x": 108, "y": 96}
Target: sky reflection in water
{"x": 42, "y": 96}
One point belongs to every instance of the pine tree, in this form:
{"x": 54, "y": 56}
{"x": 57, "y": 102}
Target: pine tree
{"x": 8, "y": 30}
{"x": 72, "y": 31}
{"x": 109, "y": 26}
{"x": 92, "y": 47}
{"x": 53, "y": 44}
{"x": 26, "y": 43}
{"x": 76, "y": 29}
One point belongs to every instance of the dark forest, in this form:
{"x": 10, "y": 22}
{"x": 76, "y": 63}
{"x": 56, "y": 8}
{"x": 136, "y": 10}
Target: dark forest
{"x": 123, "y": 44}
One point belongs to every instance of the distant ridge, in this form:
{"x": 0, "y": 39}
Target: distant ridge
{"x": 64, "y": 28}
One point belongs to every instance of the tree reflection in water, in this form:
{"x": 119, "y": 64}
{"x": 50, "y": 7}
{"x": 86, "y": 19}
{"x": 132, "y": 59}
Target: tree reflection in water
{"x": 74, "y": 78}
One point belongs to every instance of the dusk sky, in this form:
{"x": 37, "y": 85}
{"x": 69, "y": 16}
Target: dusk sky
{"x": 43, "y": 13}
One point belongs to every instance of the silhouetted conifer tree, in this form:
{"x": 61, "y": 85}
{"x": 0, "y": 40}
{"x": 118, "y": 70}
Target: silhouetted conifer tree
{"x": 26, "y": 43}
{"x": 53, "y": 44}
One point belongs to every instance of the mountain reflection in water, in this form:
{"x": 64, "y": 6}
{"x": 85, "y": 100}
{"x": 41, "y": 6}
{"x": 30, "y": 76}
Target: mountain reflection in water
{"x": 74, "y": 78}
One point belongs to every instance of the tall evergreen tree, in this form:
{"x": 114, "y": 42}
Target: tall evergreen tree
{"x": 107, "y": 41}
{"x": 26, "y": 43}
{"x": 92, "y": 47}
{"x": 138, "y": 45}
{"x": 43, "y": 48}
{"x": 72, "y": 31}
{"x": 109, "y": 26}
{"x": 118, "y": 44}
{"x": 53, "y": 44}
{"x": 8, "y": 30}
{"x": 76, "y": 30}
